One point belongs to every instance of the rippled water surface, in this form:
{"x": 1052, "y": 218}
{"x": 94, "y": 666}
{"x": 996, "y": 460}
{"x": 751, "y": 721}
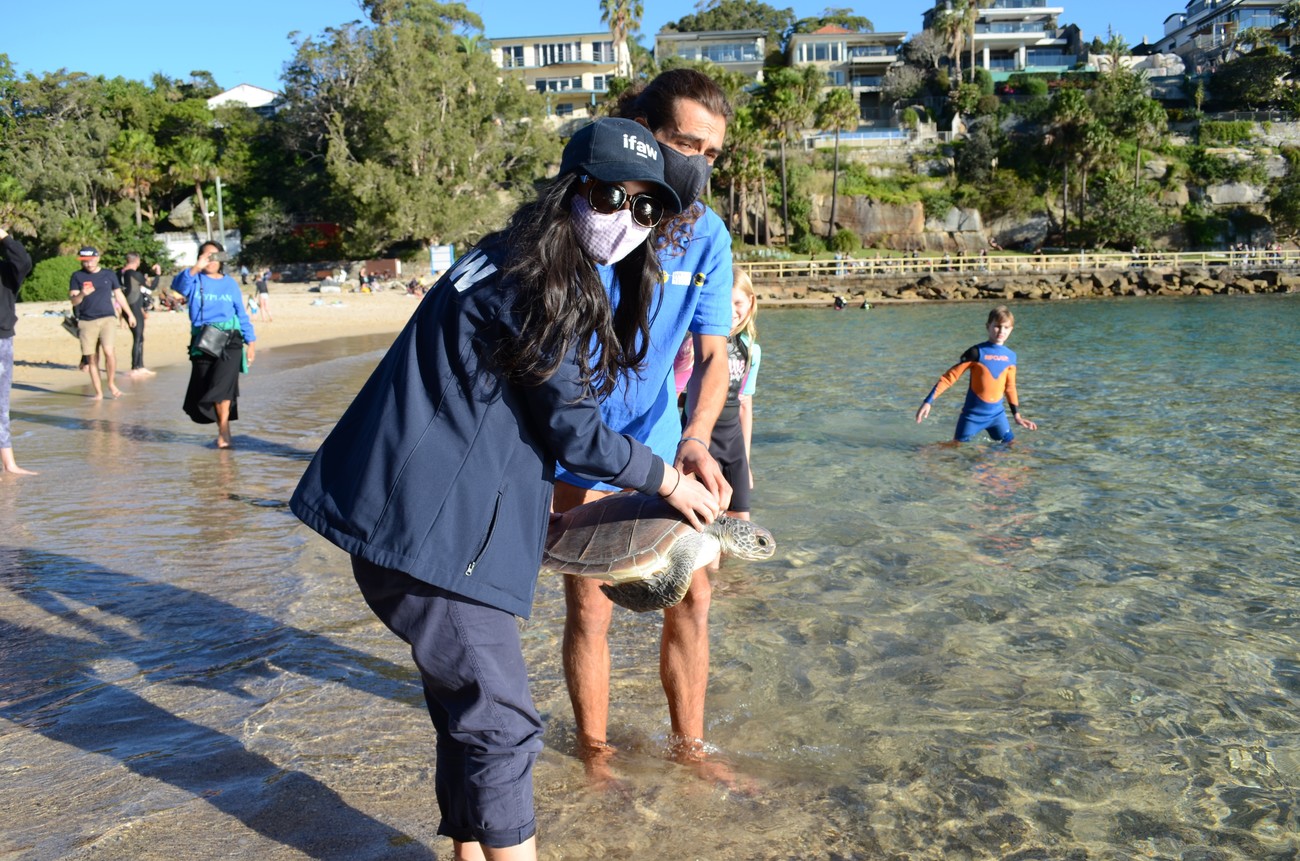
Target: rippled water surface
{"x": 1080, "y": 647}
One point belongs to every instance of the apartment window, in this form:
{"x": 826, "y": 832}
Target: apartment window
{"x": 562, "y": 52}
{"x": 558, "y": 85}
{"x": 600, "y": 83}
{"x": 739, "y": 52}
{"x": 564, "y": 109}
{"x": 835, "y": 78}
{"x": 603, "y": 52}
{"x": 819, "y": 52}
{"x": 512, "y": 57}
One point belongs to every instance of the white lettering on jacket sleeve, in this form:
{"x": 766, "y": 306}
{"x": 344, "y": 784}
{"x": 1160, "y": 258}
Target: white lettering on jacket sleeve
{"x": 471, "y": 269}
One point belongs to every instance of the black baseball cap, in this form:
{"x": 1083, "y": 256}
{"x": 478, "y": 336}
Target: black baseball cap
{"x": 613, "y": 149}
{"x": 88, "y": 251}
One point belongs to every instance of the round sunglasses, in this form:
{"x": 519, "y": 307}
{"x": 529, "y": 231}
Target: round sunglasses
{"x": 608, "y": 197}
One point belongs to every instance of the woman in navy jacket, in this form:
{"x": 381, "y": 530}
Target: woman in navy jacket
{"x": 437, "y": 479}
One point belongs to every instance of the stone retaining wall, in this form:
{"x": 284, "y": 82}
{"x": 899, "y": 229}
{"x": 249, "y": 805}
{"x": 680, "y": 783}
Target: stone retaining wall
{"x": 1155, "y": 281}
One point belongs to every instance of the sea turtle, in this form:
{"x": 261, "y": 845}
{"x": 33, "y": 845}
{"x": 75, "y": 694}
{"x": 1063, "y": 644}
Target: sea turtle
{"x": 643, "y": 547}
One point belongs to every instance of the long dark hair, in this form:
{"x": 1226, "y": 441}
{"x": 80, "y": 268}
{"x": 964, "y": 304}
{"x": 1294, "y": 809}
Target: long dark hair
{"x": 561, "y": 302}
{"x": 656, "y": 103}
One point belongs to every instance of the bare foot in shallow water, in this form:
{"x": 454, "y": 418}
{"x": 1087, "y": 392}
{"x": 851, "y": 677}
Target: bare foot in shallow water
{"x": 596, "y": 761}
{"x": 709, "y": 765}
{"x": 9, "y": 465}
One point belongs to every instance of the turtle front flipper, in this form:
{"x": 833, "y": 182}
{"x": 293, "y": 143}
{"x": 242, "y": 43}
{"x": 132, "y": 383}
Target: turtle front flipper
{"x": 659, "y": 592}
{"x": 665, "y": 587}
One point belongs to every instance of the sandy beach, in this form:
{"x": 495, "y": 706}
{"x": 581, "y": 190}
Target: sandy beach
{"x": 46, "y": 356}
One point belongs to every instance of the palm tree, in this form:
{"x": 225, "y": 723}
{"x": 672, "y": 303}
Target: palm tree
{"x": 133, "y": 160}
{"x": 788, "y": 100}
{"x": 194, "y": 159}
{"x": 17, "y": 212}
{"x": 950, "y": 26}
{"x": 742, "y": 165}
{"x": 1070, "y": 114}
{"x": 970, "y": 11}
{"x": 623, "y": 17}
{"x": 837, "y": 112}
{"x": 1148, "y": 123}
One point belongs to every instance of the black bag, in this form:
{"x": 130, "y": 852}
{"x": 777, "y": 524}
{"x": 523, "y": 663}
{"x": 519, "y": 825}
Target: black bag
{"x": 210, "y": 341}
{"x": 69, "y": 324}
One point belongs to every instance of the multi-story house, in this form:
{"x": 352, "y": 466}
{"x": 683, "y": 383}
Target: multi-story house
{"x": 740, "y": 51}
{"x": 1209, "y": 28}
{"x": 1018, "y": 36}
{"x": 573, "y": 71}
{"x": 851, "y": 59}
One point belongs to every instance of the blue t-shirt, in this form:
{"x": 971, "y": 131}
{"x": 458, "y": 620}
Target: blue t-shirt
{"x": 696, "y": 297}
{"x": 98, "y": 304}
{"x": 220, "y": 301}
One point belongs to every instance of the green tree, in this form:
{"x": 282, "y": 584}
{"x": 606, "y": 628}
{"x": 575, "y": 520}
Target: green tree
{"x": 788, "y": 101}
{"x": 845, "y": 18}
{"x": 134, "y": 159}
{"x": 1284, "y": 201}
{"x": 193, "y": 160}
{"x": 1123, "y": 215}
{"x": 1070, "y": 114}
{"x": 17, "y": 213}
{"x": 1251, "y": 80}
{"x": 421, "y": 144}
{"x": 1148, "y": 124}
{"x": 837, "y": 112}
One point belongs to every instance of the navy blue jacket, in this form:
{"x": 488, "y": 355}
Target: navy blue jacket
{"x": 442, "y": 469}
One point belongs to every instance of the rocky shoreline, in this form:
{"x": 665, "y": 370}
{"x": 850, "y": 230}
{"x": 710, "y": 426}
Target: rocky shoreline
{"x": 1101, "y": 283}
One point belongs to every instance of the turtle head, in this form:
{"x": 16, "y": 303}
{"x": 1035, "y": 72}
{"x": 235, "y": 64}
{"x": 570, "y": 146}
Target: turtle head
{"x": 744, "y": 538}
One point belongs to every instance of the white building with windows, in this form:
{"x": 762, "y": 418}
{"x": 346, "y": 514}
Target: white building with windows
{"x": 739, "y": 51}
{"x": 1019, "y": 36}
{"x": 573, "y": 71}
{"x": 1208, "y": 28}
{"x": 851, "y": 59}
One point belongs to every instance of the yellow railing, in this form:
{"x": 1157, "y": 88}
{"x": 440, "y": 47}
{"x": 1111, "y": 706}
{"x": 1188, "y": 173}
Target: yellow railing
{"x": 1016, "y": 264}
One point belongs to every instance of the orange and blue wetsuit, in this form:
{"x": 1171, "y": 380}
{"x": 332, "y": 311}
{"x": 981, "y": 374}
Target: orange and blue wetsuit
{"x": 992, "y": 377}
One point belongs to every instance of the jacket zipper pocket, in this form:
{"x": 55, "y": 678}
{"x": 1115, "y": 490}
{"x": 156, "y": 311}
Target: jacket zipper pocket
{"x": 487, "y": 539}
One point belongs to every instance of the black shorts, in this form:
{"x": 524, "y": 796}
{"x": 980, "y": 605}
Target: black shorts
{"x": 728, "y": 448}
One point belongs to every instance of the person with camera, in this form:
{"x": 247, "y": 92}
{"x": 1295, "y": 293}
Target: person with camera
{"x": 215, "y": 302}
{"x": 15, "y": 266}
{"x": 93, "y": 291}
{"x": 138, "y": 289}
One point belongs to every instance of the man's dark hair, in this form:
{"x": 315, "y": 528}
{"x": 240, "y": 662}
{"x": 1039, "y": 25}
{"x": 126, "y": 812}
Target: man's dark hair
{"x": 560, "y": 300}
{"x": 656, "y": 102}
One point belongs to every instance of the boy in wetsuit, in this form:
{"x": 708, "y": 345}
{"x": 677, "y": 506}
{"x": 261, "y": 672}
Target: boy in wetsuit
{"x": 992, "y": 368}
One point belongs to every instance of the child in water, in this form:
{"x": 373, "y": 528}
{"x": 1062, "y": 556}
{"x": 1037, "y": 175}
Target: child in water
{"x": 992, "y": 368}
{"x": 733, "y": 431}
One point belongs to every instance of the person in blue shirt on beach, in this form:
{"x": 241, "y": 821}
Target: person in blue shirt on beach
{"x": 213, "y": 297}
{"x": 437, "y": 479}
{"x": 687, "y": 113}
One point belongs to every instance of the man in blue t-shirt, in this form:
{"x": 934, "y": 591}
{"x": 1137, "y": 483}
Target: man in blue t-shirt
{"x": 97, "y": 295}
{"x": 688, "y": 114}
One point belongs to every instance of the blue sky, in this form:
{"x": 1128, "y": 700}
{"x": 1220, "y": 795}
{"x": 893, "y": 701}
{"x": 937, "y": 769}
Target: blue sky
{"x": 246, "y": 41}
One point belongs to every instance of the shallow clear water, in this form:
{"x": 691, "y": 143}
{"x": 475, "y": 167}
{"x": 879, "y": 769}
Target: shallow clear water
{"x": 1084, "y": 646}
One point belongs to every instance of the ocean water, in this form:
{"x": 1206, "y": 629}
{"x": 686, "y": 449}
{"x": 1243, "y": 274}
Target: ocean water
{"x": 1081, "y": 646}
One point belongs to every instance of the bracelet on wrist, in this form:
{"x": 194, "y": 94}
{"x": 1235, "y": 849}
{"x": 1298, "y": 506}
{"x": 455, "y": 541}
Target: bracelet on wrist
{"x": 675, "y": 486}
{"x": 692, "y": 439}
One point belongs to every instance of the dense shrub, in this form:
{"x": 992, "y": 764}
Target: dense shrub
{"x": 808, "y": 243}
{"x": 1226, "y": 133}
{"x": 845, "y": 241}
{"x": 49, "y": 280}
